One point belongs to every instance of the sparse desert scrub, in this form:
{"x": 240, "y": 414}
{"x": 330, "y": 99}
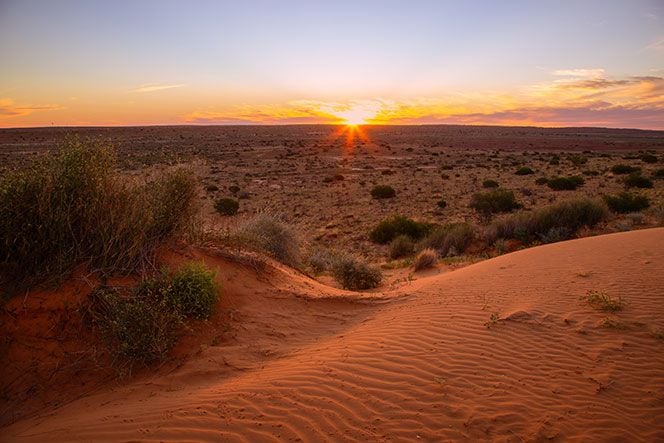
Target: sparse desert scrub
{"x": 649, "y": 158}
{"x": 450, "y": 239}
{"x": 494, "y": 202}
{"x": 401, "y": 246}
{"x": 268, "y": 233}
{"x": 541, "y": 181}
{"x": 426, "y": 259}
{"x": 658, "y": 174}
{"x": 72, "y": 207}
{"x": 524, "y": 170}
{"x": 626, "y": 202}
{"x": 353, "y": 273}
{"x": 602, "y": 301}
{"x": 141, "y": 324}
{"x": 490, "y": 184}
{"x": 560, "y": 220}
{"x": 319, "y": 260}
{"x": 226, "y": 206}
{"x": 565, "y": 183}
{"x": 442, "y": 204}
{"x": 397, "y": 225}
{"x": 621, "y": 169}
{"x": 380, "y": 192}
{"x": 636, "y": 180}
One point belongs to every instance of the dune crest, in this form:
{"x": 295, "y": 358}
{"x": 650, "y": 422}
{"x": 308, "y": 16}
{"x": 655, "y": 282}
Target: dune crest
{"x": 502, "y": 350}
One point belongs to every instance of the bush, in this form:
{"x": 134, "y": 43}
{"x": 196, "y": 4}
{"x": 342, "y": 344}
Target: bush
{"x": 493, "y": 202}
{"x": 578, "y": 160}
{"x": 565, "y": 217}
{"x": 397, "y": 225}
{"x": 636, "y": 180}
{"x": 490, "y": 184}
{"x": 226, "y": 206}
{"x": 352, "y": 273}
{"x": 648, "y": 158}
{"x": 269, "y": 233}
{"x": 555, "y": 160}
{"x": 382, "y": 192}
{"x": 425, "y": 260}
{"x": 320, "y": 260}
{"x": 401, "y": 246}
{"x": 542, "y": 181}
{"x": 524, "y": 170}
{"x": 658, "y": 174}
{"x": 451, "y": 239}
{"x": 565, "y": 183}
{"x": 626, "y": 202}
{"x": 73, "y": 206}
{"x": 142, "y": 326}
{"x": 624, "y": 169}
{"x": 442, "y": 204}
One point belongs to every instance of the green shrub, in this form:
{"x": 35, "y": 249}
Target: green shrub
{"x": 426, "y": 259}
{"x": 397, "y": 225}
{"x": 658, "y": 174}
{"x": 648, "y": 158}
{"x": 269, "y": 233}
{"x": 542, "y": 181}
{"x": 565, "y": 183}
{"x": 524, "y": 170}
{"x": 401, "y": 246}
{"x": 490, "y": 184}
{"x": 450, "y": 239}
{"x": 382, "y": 192}
{"x": 72, "y": 206}
{"x": 560, "y": 219}
{"x": 624, "y": 169}
{"x": 578, "y": 160}
{"x": 493, "y": 202}
{"x": 227, "y": 206}
{"x": 555, "y": 160}
{"x": 636, "y": 180}
{"x": 626, "y": 202}
{"x": 442, "y": 204}
{"x": 352, "y": 273}
{"x": 191, "y": 290}
{"x": 234, "y": 189}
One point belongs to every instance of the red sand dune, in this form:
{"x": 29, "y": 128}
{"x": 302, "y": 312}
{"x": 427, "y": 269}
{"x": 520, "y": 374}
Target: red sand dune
{"x": 303, "y": 362}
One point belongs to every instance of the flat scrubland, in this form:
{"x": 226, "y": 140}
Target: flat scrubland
{"x": 212, "y": 283}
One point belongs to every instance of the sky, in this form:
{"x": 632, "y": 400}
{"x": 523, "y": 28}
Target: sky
{"x": 537, "y": 62}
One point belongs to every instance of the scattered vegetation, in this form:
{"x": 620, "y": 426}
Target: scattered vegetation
{"x": 524, "y": 170}
{"x": 401, "y": 246}
{"x": 227, "y": 206}
{"x": 450, "y": 239}
{"x": 355, "y": 274}
{"x": 626, "y": 202}
{"x": 442, "y": 204}
{"x": 622, "y": 169}
{"x": 426, "y": 259}
{"x": 636, "y": 180}
{"x": 493, "y": 202}
{"x": 648, "y": 158}
{"x": 72, "y": 207}
{"x": 490, "y": 184}
{"x": 558, "y": 221}
{"x": 542, "y": 181}
{"x": 382, "y": 192}
{"x": 397, "y": 225}
{"x": 565, "y": 183}
{"x": 602, "y": 301}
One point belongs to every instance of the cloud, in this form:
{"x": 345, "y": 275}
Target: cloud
{"x": 8, "y": 108}
{"x": 657, "y": 45}
{"x": 152, "y": 87}
{"x": 580, "y": 73}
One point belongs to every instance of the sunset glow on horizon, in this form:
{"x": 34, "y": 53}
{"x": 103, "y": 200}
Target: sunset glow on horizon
{"x": 569, "y": 63}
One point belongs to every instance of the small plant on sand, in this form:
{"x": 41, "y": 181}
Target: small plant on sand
{"x": 490, "y": 184}
{"x": 493, "y": 320}
{"x": 626, "y": 202}
{"x": 226, "y": 206}
{"x": 319, "y": 260}
{"x": 524, "y": 170}
{"x": 636, "y": 180}
{"x": 621, "y": 169}
{"x": 442, "y": 204}
{"x": 191, "y": 290}
{"x": 565, "y": 183}
{"x": 353, "y": 273}
{"x": 425, "y": 259}
{"x": 401, "y": 246}
{"x": 382, "y": 192}
{"x": 397, "y": 225}
{"x": 602, "y": 301}
{"x": 268, "y": 233}
{"x": 494, "y": 202}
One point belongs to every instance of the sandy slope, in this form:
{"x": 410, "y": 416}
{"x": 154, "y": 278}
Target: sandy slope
{"x": 418, "y": 363}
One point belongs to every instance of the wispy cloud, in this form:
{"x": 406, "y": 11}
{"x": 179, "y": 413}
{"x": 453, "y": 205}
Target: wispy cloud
{"x": 153, "y": 87}
{"x": 8, "y": 108}
{"x": 657, "y": 45}
{"x": 580, "y": 73}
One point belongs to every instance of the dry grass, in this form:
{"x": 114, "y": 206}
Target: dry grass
{"x": 602, "y": 301}
{"x": 425, "y": 260}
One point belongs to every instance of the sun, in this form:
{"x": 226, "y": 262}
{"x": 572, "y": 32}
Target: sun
{"x": 356, "y": 116}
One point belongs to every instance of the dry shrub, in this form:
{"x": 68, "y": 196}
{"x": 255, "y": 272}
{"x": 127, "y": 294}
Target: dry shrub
{"x": 73, "y": 206}
{"x": 353, "y": 273}
{"x": 268, "y": 233}
{"x": 450, "y": 239}
{"x": 401, "y": 246}
{"x": 425, "y": 259}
